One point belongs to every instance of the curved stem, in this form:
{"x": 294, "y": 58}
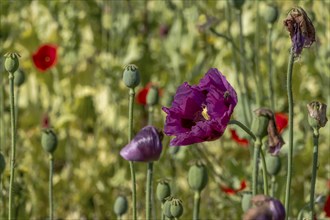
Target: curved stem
{"x": 51, "y": 205}
{"x": 149, "y": 187}
{"x": 244, "y": 127}
{"x": 197, "y": 199}
{"x": 13, "y": 143}
{"x": 270, "y": 68}
{"x": 130, "y": 135}
{"x": 290, "y": 152}
{"x": 314, "y": 171}
{"x": 264, "y": 172}
{"x": 256, "y": 152}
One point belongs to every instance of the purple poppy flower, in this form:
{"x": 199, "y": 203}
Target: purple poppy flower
{"x": 302, "y": 31}
{"x": 146, "y": 146}
{"x": 200, "y": 112}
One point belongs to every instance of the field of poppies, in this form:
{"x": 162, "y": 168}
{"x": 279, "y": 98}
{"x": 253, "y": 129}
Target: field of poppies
{"x": 164, "y": 109}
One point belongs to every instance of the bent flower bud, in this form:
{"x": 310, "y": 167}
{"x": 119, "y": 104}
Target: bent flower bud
{"x": 317, "y": 114}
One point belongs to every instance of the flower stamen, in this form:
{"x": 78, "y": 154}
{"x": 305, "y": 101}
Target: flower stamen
{"x": 205, "y": 115}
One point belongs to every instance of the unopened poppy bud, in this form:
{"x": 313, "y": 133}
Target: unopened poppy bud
{"x": 246, "y": 201}
{"x": 131, "y": 76}
{"x": 271, "y": 14}
{"x": 2, "y": 163}
{"x": 167, "y": 207}
{"x": 261, "y": 121}
{"x": 120, "y": 207}
{"x": 153, "y": 96}
{"x": 163, "y": 190}
{"x": 19, "y": 77}
{"x": 317, "y": 117}
{"x": 273, "y": 164}
{"x": 197, "y": 177}
{"x": 49, "y": 140}
{"x": 238, "y": 3}
{"x": 11, "y": 62}
{"x": 176, "y": 208}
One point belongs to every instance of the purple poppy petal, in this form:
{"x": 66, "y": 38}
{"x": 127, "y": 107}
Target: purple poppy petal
{"x": 277, "y": 209}
{"x": 146, "y": 146}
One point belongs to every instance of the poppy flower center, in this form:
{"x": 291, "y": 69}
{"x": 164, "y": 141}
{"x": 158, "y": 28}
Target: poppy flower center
{"x": 205, "y": 114}
{"x": 47, "y": 59}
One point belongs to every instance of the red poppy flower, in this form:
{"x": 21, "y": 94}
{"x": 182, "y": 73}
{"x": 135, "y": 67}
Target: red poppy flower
{"x": 281, "y": 121}
{"x": 45, "y": 57}
{"x": 326, "y": 207}
{"x": 45, "y": 121}
{"x": 231, "y": 191}
{"x": 241, "y": 141}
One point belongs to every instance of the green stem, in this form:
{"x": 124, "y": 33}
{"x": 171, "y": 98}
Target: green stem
{"x": 257, "y": 147}
{"x": 273, "y": 182}
{"x": 130, "y": 135}
{"x": 163, "y": 216}
{"x": 256, "y": 74}
{"x": 264, "y": 172}
{"x": 51, "y": 205}
{"x": 197, "y": 199}
{"x": 244, "y": 127}
{"x": 290, "y": 152}
{"x": 13, "y": 143}
{"x": 150, "y": 115}
{"x": 270, "y": 68}
{"x": 314, "y": 171}
{"x": 2, "y": 117}
{"x": 118, "y": 217}
{"x": 149, "y": 187}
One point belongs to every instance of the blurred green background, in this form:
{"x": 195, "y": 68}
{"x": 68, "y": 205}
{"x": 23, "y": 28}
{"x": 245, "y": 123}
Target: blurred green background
{"x": 171, "y": 42}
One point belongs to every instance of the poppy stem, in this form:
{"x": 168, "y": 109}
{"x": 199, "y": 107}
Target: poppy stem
{"x": 273, "y": 182}
{"x": 148, "y": 193}
{"x": 51, "y": 205}
{"x": 314, "y": 169}
{"x": 130, "y": 135}
{"x": 197, "y": 199}
{"x": 264, "y": 172}
{"x": 244, "y": 127}
{"x": 270, "y": 68}
{"x": 256, "y": 153}
{"x": 290, "y": 151}
{"x": 13, "y": 143}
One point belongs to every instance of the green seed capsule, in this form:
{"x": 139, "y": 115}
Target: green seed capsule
{"x": 11, "y": 62}
{"x": 197, "y": 177}
{"x": 271, "y": 14}
{"x": 49, "y": 140}
{"x": 120, "y": 207}
{"x": 261, "y": 121}
{"x": 19, "y": 77}
{"x": 153, "y": 96}
{"x": 167, "y": 207}
{"x": 131, "y": 76}
{"x": 246, "y": 201}
{"x": 2, "y": 163}
{"x": 273, "y": 164}
{"x": 176, "y": 208}
{"x": 163, "y": 190}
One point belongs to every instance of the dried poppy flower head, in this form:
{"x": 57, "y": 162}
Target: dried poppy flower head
{"x": 301, "y": 29}
{"x": 45, "y": 57}
{"x": 317, "y": 114}
{"x": 200, "y": 112}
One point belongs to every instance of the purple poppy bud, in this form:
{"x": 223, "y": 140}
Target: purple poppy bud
{"x": 200, "y": 112}
{"x": 146, "y": 146}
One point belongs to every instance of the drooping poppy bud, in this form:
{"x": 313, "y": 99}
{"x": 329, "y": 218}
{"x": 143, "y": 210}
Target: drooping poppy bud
{"x": 163, "y": 190}
{"x": 317, "y": 114}
{"x": 49, "y": 140}
{"x": 19, "y": 77}
{"x": 146, "y": 146}
{"x": 120, "y": 207}
{"x": 11, "y": 62}
{"x": 273, "y": 164}
{"x": 197, "y": 176}
{"x": 131, "y": 76}
{"x": 176, "y": 208}
{"x": 2, "y": 164}
{"x": 271, "y": 14}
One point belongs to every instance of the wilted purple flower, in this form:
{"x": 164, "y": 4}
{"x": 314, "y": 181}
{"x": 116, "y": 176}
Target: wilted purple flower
{"x": 200, "y": 112}
{"x": 302, "y": 31}
{"x": 264, "y": 208}
{"x": 146, "y": 146}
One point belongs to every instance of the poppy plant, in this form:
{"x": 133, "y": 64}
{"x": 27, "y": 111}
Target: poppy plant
{"x": 45, "y": 57}
{"x": 232, "y": 191}
{"x": 200, "y": 112}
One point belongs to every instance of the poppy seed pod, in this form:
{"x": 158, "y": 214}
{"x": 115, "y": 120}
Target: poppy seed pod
{"x": 273, "y": 164}
{"x": 167, "y": 207}
{"x": 153, "y": 96}
{"x": 238, "y": 3}
{"x": 197, "y": 177}
{"x": 19, "y": 77}
{"x": 2, "y": 163}
{"x": 11, "y": 62}
{"x": 271, "y": 14}
{"x": 246, "y": 201}
{"x": 120, "y": 207}
{"x": 317, "y": 117}
{"x": 260, "y": 123}
{"x": 163, "y": 190}
{"x": 131, "y": 76}
{"x": 176, "y": 208}
{"x": 49, "y": 140}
